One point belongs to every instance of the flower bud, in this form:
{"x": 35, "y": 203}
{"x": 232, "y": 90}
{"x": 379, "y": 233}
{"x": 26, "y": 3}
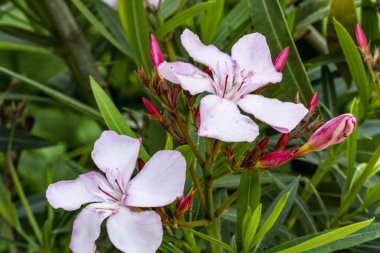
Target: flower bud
{"x": 312, "y": 105}
{"x": 274, "y": 159}
{"x": 152, "y": 110}
{"x": 140, "y": 163}
{"x": 262, "y": 144}
{"x": 332, "y": 132}
{"x": 361, "y": 38}
{"x": 280, "y": 60}
{"x": 184, "y": 203}
{"x": 156, "y": 56}
{"x": 283, "y": 142}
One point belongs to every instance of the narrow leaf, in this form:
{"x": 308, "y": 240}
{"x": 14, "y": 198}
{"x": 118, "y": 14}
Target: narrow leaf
{"x": 213, "y": 240}
{"x": 210, "y": 21}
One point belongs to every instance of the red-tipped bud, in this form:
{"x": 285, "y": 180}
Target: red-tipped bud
{"x": 184, "y": 203}
{"x": 332, "y": 132}
{"x": 229, "y": 154}
{"x": 140, "y": 163}
{"x": 197, "y": 118}
{"x": 312, "y": 105}
{"x": 281, "y": 59}
{"x": 274, "y": 159}
{"x": 152, "y": 109}
{"x": 361, "y": 39}
{"x": 156, "y": 56}
{"x": 262, "y": 144}
{"x": 283, "y": 142}
{"x": 208, "y": 71}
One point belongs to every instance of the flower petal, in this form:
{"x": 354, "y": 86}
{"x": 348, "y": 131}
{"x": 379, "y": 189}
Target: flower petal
{"x": 160, "y": 182}
{"x": 252, "y": 54}
{"x": 135, "y": 232}
{"x": 116, "y": 155}
{"x": 209, "y": 55}
{"x": 86, "y": 230}
{"x": 71, "y": 194}
{"x": 222, "y": 120}
{"x": 187, "y": 75}
{"x": 282, "y": 116}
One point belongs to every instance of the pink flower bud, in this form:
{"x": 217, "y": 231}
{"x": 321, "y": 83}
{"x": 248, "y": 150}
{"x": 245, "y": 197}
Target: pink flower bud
{"x": 140, "y": 163}
{"x": 229, "y": 154}
{"x": 332, "y": 132}
{"x": 283, "y": 142}
{"x": 274, "y": 159}
{"x": 262, "y": 144}
{"x": 184, "y": 203}
{"x": 280, "y": 60}
{"x": 156, "y": 56}
{"x": 361, "y": 38}
{"x": 312, "y": 105}
{"x": 152, "y": 110}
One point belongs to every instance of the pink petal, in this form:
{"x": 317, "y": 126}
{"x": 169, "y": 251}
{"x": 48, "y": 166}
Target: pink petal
{"x": 252, "y": 54}
{"x": 86, "y": 230}
{"x": 187, "y": 75}
{"x": 282, "y": 116}
{"x": 116, "y": 155}
{"x": 222, "y": 120}
{"x": 135, "y": 232}
{"x": 209, "y": 55}
{"x": 160, "y": 182}
{"x": 71, "y": 194}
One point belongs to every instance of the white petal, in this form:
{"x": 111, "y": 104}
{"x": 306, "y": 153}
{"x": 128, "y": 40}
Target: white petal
{"x": 86, "y": 230}
{"x": 135, "y": 232}
{"x": 116, "y": 155}
{"x": 71, "y": 194}
{"x": 209, "y": 55}
{"x": 282, "y": 116}
{"x": 160, "y": 182}
{"x": 187, "y": 75}
{"x": 222, "y": 120}
{"x": 252, "y": 54}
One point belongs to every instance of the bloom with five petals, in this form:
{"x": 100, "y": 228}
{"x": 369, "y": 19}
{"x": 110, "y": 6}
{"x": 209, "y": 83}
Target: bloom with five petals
{"x": 233, "y": 78}
{"x": 118, "y": 197}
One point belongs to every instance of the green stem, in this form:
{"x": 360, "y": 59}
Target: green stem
{"x": 195, "y": 223}
{"x": 197, "y": 185}
{"x": 190, "y": 239}
{"x": 226, "y": 204}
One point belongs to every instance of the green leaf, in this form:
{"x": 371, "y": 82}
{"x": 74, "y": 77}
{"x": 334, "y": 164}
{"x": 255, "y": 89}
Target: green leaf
{"x": 182, "y": 17}
{"x": 270, "y": 221}
{"x": 354, "y": 61}
{"x": 210, "y": 21}
{"x": 187, "y": 153}
{"x": 370, "y": 20}
{"x": 133, "y": 19}
{"x": 111, "y": 115}
{"x": 66, "y": 100}
{"x": 326, "y": 238}
{"x": 249, "y": 197}
{"x": 231, "y": 23}
{"x": 213, "y": 240}
{"x": 270, "y": 21}
{"x": 21, "y": 140}
{"x": 99, "y": 26}
{"x": 249, "y": 231}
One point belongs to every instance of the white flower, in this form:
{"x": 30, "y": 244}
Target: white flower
{"x": 119, "y": 197}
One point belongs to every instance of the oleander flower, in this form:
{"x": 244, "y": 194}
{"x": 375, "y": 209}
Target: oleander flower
{"x": 233, "y": 80}
{"x": 130, "y": 226}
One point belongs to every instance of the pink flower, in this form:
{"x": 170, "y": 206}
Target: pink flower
{"x": 274, "y": 159}
{"x": 118, "y": 197}
{"x": 332, "y": 132}
{"x": 280, "y": 60}
{"x": 361, "y": 39}
{"x": 233, "y": 79}
{"x": 111, "y": 3}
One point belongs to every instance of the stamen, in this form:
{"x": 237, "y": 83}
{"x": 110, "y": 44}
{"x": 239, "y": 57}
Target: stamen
{"x": 225, "y": 86}
{"x": 118, "y": 185}
{"x": 106, "y": 193}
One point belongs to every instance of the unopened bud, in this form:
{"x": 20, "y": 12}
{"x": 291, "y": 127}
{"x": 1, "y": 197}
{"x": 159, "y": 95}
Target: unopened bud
{"x": 274, "y": 159}
{"x": 332, "y": 132}
{"x": 262, "y": 144}
{"x": 156, "y": 56}
{"x": 229, "y": 154}
{"x": 281, "y": 59}
{"x": 152, "y": 109}
{"x": 312, "y": 105}
{"x": 184, "y": 203}
{"x": 283, "y": 142}
{"x": 140, "y": 163}
{"x": 361, "y": 38}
